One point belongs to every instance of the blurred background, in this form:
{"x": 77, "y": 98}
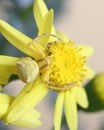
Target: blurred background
{"x": 82, "y": 21}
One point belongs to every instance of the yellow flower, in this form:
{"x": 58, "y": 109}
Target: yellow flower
{"x": 29, "y": 120}
{"x": 60, "y": 65}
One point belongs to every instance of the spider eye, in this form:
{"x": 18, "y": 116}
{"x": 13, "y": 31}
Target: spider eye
{"x": 49, "y": 45}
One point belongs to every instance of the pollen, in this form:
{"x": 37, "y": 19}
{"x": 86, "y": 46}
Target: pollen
{"x": 65, "y": 64}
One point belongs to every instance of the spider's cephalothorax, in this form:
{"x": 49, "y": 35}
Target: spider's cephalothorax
{"x": 61, "y": 63}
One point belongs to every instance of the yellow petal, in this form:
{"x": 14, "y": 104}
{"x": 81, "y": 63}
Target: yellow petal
{"x": 5, "y": 101}
{"x": 58, "y": 111}
{"x": 47, "y": 27}
{"x": 7, "y": 67}
{"x": 15, "y": 37}
{"x": 40, "y": 10}
{"x": 30, "y": 96}
{"x": 87, "y": 50}
{"x": 28, "y": 120}
{"x": 70, "y": 110}
{"x": 81, "y": 97}
{"x": 43, "y": 18}
{"x": 89, "y": 73}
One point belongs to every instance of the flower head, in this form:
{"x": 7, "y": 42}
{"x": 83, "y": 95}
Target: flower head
{"x": 66, "y": 66}
{"x": 58, "y": 64}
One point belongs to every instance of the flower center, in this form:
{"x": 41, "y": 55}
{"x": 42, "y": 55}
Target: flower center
{"x": 65, "y": 65}
{"x": 61, "y": 64}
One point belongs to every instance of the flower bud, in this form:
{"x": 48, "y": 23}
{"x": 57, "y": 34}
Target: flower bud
{"x": 95, "y": 92}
